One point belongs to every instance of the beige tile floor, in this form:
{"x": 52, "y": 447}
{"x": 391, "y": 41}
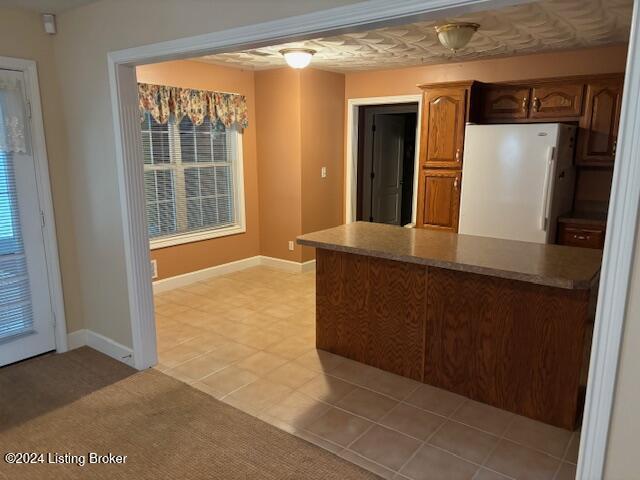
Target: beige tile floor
{"x": 248, "y": 339}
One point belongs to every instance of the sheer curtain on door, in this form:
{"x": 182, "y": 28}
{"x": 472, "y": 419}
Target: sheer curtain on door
{"x": 16, "y": 314}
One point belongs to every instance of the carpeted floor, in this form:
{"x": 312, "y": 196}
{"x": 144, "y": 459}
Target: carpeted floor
{"x": 83, "y": 401}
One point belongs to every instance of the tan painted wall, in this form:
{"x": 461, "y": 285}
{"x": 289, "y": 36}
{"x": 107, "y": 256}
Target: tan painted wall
{"x": 299, "y": 130}
{"x": 208, "y": 253}
{"x": 85, "y": 36}
{"x": 21, "y": 36}
{"x": 322, "y": 99}
{"x": 404, "y": 81}
{"x": 279, "y": 171}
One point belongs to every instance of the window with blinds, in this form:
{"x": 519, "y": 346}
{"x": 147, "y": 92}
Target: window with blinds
{"x": 16, "y": 316}
{"x": 191, "y": 175}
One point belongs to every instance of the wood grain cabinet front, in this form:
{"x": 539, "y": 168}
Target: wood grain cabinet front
{"x": 546, "y": 101}
{"x": 598, "y": 134}
{"x": 511, "y": 344}
{"x": 505, "y": 102}
{"x": 444, "y": 116}
{"x": 553, "y": 101}
{"x": 439, "y": 199}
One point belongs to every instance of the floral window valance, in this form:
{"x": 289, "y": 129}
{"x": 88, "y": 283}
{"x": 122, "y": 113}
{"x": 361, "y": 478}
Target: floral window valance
{"x": 163, "y": 101}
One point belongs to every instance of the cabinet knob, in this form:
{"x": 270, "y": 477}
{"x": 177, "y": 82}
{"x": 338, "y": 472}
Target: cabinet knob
{"x": 455, "y": 183}
{"x": 525, "y": 100}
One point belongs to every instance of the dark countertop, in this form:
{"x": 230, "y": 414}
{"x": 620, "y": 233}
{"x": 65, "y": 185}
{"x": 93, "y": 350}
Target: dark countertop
{"x": 550, "y": 265}
{"x": 585, "y": 218}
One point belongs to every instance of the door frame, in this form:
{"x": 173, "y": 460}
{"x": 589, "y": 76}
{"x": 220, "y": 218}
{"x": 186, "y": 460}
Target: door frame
{"x": 623, "y": 215}
{"x": 45, "y": 200}
{"x": 351, "y": 154}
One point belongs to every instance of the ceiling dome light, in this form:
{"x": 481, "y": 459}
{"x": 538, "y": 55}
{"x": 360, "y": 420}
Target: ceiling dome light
{"x": 297, "y": 57}
{"x": 456, "y": 36}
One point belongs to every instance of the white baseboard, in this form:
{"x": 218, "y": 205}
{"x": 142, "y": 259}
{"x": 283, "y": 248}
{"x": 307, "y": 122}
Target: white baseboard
{"x": 89, "y": 338}
{"x": 77, "y": 339}
{"x": 308, "y": 266}
{"x": 287, "y": 265}
{"x": 206, "y": 273}
{"x": 199, "y": 275}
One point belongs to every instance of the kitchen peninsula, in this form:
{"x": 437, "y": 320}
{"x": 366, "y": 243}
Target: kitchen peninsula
{"x": 499, "y": 321}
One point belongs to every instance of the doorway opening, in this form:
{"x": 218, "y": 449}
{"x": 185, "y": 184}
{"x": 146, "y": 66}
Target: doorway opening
{"x": 613, "y": 286}
{"x": 385, "y": 169}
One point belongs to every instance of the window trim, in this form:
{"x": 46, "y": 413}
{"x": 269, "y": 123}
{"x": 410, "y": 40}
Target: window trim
{"x": 239, "y": 227}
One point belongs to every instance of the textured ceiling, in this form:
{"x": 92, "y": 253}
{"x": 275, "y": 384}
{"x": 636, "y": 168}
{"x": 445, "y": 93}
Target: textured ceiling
{"x": 535, "y": 27}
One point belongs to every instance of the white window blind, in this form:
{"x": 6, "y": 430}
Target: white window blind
{"x": 191, "y": 177}
{"x": 16, "y": 316}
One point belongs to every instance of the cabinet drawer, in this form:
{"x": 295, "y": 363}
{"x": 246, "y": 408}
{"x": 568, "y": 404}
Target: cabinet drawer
{"x": 576, "y": 236}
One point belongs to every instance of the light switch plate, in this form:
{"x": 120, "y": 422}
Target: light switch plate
{"x": 154, "y": 269}
{"x": 323, "y": 172}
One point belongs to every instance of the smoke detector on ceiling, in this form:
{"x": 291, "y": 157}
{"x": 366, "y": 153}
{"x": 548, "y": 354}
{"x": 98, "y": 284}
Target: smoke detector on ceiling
{"x": 49, "y": 22}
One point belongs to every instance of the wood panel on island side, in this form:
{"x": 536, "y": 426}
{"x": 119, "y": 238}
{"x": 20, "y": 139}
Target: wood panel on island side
{"x": 517, "y": 345}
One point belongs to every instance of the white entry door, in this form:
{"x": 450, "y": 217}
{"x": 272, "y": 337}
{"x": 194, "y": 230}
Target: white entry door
{"x": 26, "y": 317}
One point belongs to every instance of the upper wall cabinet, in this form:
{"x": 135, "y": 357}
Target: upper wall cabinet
{"x": 444, "y": 114}
{"x": 556, "y": 100}
{"x": 503, "y": 102}
{"x": 598, "y": 134}
{"x": 544, "y": 101}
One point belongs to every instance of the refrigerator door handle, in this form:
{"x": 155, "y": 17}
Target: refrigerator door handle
{"x": 544, "y": 211}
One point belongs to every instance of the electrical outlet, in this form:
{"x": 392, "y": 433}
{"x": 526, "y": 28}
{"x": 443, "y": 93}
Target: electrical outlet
{"x": 323, "y": 172}
{"x": 291, "y": 245}
{"x": 154, "y": 269}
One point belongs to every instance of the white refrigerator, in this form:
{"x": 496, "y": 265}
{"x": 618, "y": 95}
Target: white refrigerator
{"x": 516, "y": 180}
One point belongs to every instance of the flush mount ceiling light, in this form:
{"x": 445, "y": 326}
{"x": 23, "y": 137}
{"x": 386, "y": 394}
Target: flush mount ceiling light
{"x": 297, "y": 57}
{"x": 455, "y": 36}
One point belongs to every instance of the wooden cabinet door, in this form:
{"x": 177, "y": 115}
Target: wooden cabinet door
{"x": 443, "y": 120}
{"x": 439, "y": 199}
{"x": 557, "y": 101}
{"x": 501, "y": 102}
{"x": 598, "y": 133}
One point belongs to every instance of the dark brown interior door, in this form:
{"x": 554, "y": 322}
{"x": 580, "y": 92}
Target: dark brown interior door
{"x": 383, "y": 171}
{"x": 386, "y": 163}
